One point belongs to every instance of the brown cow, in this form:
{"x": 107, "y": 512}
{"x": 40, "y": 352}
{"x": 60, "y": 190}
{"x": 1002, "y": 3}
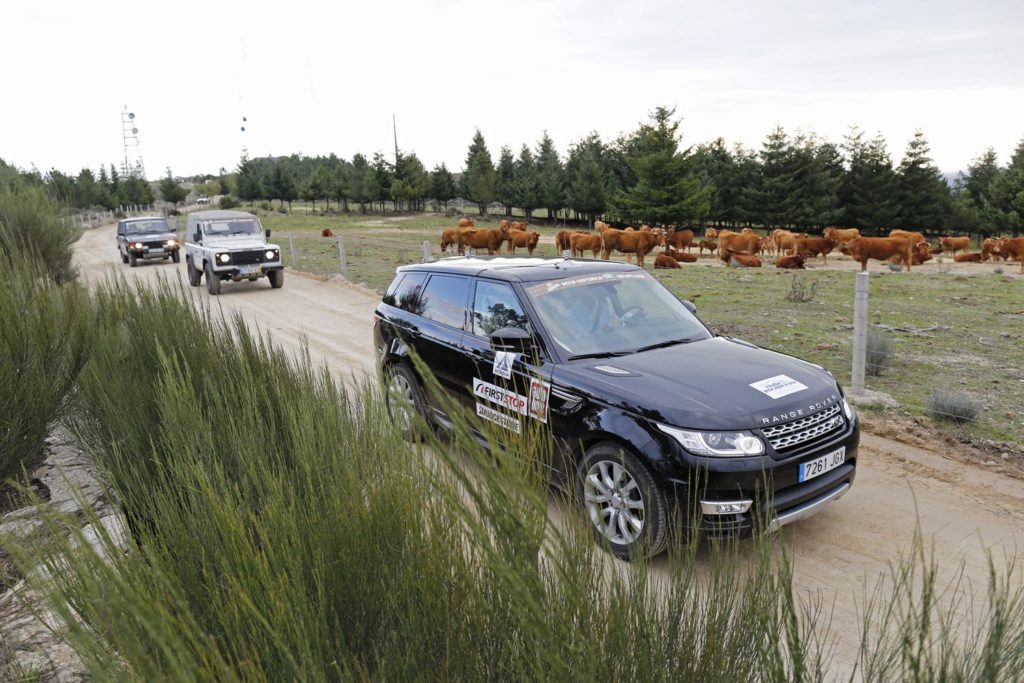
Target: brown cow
{"x": 482, "y": 239}
{"x": 448, "y": 238}
{"x": 665, "y": 261}
{"x": 734, "y": 258}
{"x": 707, "y": 244}
{"x": 1012, "y": 249}
{"x": 326, "y": 232}
{"x": 813, "y": 246}
{"x": 518, "y": 225}
{"x": 679, "y": 239}
{"x": 504, "y": 224}
{"x": 563, "y": 240}
{"x": 710, "y": 234}
{"x": 601, "y": 226}
{"x": 917, "y": 257}
{"x": 990, "y": 250}
{"x": 880, "y": 249}
{"x": 748, "y": 243}
{"x": 841, "y": 236}
{"x": 747, "y": 231}
{"x": 639, "y": 243}
{"x": 914, "y": 237}
{"x": 583, "y": 241}
{"x": 968, "y": 257}
{"x": 955, "y": 244}
{"x": 466, "y": 223}
{"x": 785, "y": 241}
{"x": 682, "y": 256}
{"x": 790, "y": 262}
{"x": 521, "y": 238}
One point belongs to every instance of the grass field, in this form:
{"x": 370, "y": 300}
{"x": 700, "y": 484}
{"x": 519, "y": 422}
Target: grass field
{"x": 977, "y": 345}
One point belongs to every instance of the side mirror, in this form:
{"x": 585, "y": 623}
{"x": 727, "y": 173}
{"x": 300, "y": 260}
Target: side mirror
{"x": 513, "y": 339}
{"x": 267, "y": 233}
{"x": 197, "y": 236}
{"x": 690, "y": 306}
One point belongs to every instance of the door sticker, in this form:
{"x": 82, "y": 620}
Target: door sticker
{"x": 499, "y": 395}
{"x": 539, "y": 393}
{"x": 498, "y": 418}
{"x": 778, "y": 386}
{"x": 503, "y": 361}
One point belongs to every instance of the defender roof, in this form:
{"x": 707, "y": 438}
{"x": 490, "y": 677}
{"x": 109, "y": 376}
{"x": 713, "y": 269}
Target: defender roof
{"x": 528, "y": 269}
{"x": 218, "y": 215}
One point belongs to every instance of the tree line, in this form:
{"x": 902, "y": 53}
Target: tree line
{"x": 648, "y": 175}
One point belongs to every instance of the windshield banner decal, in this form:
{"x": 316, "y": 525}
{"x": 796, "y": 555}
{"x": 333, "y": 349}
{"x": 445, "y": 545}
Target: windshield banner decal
{"x": 556, "y": 285}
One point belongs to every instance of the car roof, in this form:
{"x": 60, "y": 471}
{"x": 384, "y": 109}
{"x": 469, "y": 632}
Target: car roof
{"x": 218, "y": 215}
{"x": 144, "y": 218}
{"x": 529, "y": 269}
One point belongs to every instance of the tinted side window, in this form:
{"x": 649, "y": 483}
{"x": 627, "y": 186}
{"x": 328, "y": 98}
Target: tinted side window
{"x": 444, "y": 300}
{"x": 404, "y": 292}
{"x": 495, "y": 306}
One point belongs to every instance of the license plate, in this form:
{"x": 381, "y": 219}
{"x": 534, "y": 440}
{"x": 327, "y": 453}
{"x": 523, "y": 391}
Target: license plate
{"x": 819, "y": 466}
{"x": 154, "y": 249}
{"x": 248, "y": 270}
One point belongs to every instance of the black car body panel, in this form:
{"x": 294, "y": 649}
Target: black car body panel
{"x": 714, "y": 383}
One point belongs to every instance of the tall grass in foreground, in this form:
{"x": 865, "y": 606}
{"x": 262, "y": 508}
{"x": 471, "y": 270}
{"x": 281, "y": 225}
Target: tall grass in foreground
{"x": 284, "y": 531}
{"x": 44, "y": 342}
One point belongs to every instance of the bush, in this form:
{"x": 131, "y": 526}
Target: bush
{"x": 799, "y": 291}
{"x": 44, "y": 342}
{"x": 953, "y": 406}
{"x": 34, "y": 226}
{"x": 881, "y": 349}
{"x": 265, "y": 205}
{"x": 229, "y": 202}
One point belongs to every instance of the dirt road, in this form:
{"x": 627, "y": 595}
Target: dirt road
{"x": 963, "y": 510}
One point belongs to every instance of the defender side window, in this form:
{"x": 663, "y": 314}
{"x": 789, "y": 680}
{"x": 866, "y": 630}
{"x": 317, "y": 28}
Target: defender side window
{"x": 495, "y": 306}
{"x": 444, "y": 300}
{"x": 404, "y": 292}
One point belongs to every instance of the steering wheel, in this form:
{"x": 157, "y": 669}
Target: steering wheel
{"x": 631, "y": 314}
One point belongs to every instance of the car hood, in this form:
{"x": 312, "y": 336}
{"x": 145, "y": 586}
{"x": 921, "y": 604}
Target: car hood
{"x": 706, "y": 385}
{"x": 239, "y": 242}
{"x": 152, "y": 237}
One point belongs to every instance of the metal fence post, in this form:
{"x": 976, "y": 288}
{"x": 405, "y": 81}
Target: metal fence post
{"x": 291, "y": 244}
{"x": 860, "y": 333}
{"x": 427, "y": 258}
{"x": 341, "y": 257}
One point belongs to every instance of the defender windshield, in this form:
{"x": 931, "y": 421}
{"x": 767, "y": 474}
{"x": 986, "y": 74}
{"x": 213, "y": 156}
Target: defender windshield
{"x": 232, "y": 226}
{"x": 606, "y": 314}
{"x": 146, "y": 227}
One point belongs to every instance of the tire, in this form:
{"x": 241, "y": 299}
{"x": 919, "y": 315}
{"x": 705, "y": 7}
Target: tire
{"x": 195, "y": 276}
{"x": 627, "y": 509}
{"x": 404, "y": 399}
{"x": 212, "y": 281}
{"x": 124, "y": 257}
{"x": 176, "y": 256}
{"x": 132, "y": 261}
{"x": 276, "y": 278}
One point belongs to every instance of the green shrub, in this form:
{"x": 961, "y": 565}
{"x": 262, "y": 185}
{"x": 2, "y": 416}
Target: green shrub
{"x": 45, "y": 333}
{"x": 34, "y": 227}
{"x": 881, "y": 349}
{"x": 229, "y": 202}
{"x": 954, "y": 406}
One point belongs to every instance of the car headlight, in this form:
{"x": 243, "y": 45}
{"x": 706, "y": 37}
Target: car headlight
{"x": 137, "y": 245}
{"x": 717, "y": 444}
{"x": 848, "y": 409}
{"x": 223, "y": 258}
{"x": 271, "y": 255}
{"x": 171, "y": 243}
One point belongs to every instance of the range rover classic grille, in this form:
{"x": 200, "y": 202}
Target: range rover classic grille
{"x": 154, "y": 245}
{"x": 244, "y": 258}
{"x": 804, "y": 431}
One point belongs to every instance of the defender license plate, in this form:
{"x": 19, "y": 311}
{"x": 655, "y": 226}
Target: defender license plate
{"x": 819, "y": 466}
{"x": 248, "y": 270}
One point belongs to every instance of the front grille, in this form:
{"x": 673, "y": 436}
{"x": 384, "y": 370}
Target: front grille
{"x": 243, "y": 258}
{"x": 154, "y": 245}
{"x": 805, "y": 431}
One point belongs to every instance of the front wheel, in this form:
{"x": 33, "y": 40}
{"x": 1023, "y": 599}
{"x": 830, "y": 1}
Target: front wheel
{"x": 404, "y": 400}
{"x": 132, "y": 261}
{"x": 627, "y": 509}
{"x": 195, "y": 276}
{"x": 124, "y": 257}
{"x": 276, "y": 278}
{"x": 176, "y": 256}
{"x": 212, "y": 281}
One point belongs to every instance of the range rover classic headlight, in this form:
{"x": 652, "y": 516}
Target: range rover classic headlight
{"x": 137, "y": 245}
{"x": 223, "y": 258}
{"x": 716, "y": 444}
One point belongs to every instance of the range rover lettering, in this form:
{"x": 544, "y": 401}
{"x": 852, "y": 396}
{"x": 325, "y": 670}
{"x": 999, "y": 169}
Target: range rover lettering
{"x": 150, "y": 237}
{"x": 230, "y": 245}
{"x": 651, "y": 413}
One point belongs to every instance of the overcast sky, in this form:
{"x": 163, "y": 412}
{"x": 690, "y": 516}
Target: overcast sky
{"x": 319, "y": 77}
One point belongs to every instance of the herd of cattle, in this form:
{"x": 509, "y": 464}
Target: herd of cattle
{"x": 743, "y": 248}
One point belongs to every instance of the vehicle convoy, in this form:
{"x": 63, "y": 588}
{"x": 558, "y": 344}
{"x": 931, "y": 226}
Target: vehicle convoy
{"x": 650, "y": 413}
{"x": 147, "y": 237}
{"x": 230, "y": 245}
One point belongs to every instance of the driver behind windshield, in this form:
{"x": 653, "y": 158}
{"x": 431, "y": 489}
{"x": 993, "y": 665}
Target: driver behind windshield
{"x": 591, "y": 311}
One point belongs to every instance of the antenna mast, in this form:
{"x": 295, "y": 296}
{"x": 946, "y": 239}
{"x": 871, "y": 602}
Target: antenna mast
{"x": 132, "y": 165}
{"x": 394, "y": 127}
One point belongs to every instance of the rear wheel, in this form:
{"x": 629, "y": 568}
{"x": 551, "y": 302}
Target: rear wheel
{"x": 404, "y": 400}
{"x": 627, "y": 509}
{"x": 212, "y": 281}
{"x": 132, "y": 261}
{"x": 276, "y": 278}
{"x": 195, "y": 276}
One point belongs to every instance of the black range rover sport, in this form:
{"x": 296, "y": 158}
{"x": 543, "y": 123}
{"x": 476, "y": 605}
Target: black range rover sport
{"x": 651, "y": 413}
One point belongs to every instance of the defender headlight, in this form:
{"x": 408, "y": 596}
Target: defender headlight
{"x": 716, "y": 444}
{"x": 271, "y": 255}
{"x": 223, "y": 258}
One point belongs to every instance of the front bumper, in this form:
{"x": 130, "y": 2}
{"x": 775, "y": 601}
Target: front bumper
{"x": 243, "y": 272}
{"x": 154, "y": 252}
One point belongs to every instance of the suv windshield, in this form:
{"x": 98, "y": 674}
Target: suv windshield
{"x": 233, "y": 226}
{"x": 146, "y": 227}
{"x": 612, "y": 313}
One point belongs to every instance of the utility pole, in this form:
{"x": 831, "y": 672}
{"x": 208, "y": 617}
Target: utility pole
{"x": 394, "y": 128}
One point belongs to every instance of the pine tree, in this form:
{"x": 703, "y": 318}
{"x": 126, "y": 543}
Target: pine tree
{"x": 667, "y": 189}
{"x": 249, "y": 182}
{"x": 772, "y": 198}
{"x": 527, "y": 183}
{"x": 587, "y": 178}
{"x": 922, "y": 194}
{"x": 442, "y": 185}
{"x": 506, "y": 179}
{"x": 1006, "y": 213}
{"x": 360, "y": 182}
{"x": 480, "y": 180}
{"x": 550, "y": 175}
{"x": 171, "y": 190}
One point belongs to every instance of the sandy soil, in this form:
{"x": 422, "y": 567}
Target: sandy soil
{"x": 963, "y": 510}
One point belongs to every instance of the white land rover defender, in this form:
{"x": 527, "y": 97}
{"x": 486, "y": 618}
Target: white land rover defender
{"x": 230, "y": 245}
{"x": 149, "y": 237}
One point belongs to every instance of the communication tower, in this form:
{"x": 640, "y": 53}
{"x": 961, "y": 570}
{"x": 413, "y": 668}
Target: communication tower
{"x": 132, "y": 165}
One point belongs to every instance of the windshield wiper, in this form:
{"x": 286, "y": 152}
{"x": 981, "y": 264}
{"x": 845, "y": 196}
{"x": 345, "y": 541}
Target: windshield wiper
{"x": 600, "y": 354}
{"x": 670, "y": 342}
